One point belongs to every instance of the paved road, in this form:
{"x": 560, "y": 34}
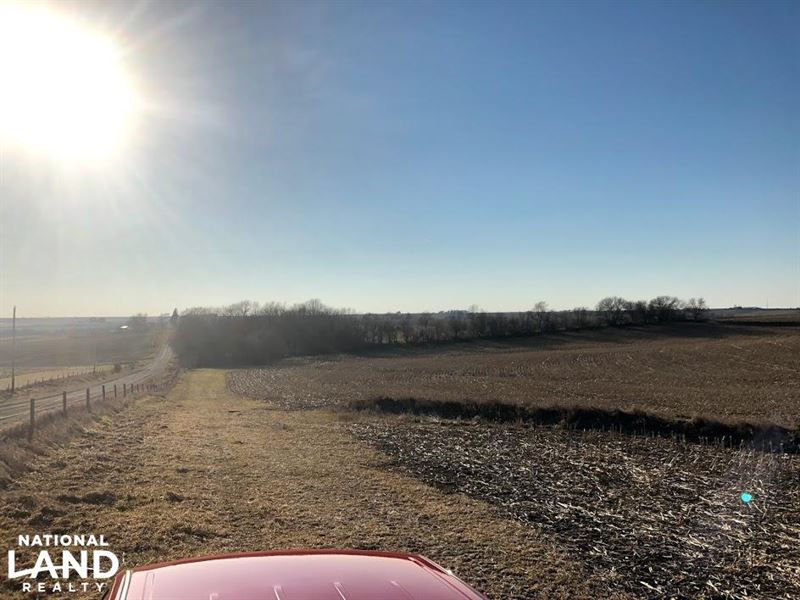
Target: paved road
{"x": 17, "y": 409}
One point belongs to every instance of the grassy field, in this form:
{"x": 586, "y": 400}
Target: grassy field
{"x": 724, "y": 372}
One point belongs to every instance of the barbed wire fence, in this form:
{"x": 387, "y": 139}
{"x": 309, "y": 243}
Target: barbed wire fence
{"x": 34, "y": 381}
{"x": 17, "y": 411}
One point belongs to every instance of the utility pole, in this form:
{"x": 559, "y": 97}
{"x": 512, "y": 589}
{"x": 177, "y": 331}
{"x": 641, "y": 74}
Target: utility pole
{"x": 13, "y": 346}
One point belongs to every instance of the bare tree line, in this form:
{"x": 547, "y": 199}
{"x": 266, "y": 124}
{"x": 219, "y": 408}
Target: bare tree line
{"x": 616, "y": 311}
{"x": 248, "y": 333}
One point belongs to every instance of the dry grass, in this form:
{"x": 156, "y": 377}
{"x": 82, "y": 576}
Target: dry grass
{"x": 722, "y": 372}
{"x": 206, "y": 471}
{"x": 18, "y": 449}
{"x": 53, "y": 429}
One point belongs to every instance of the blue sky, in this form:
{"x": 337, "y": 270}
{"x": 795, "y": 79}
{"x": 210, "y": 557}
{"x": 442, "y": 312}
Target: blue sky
{"x": 426, "y": 155}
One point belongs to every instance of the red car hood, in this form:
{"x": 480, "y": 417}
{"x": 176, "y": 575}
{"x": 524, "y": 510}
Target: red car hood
{"x": 298, "y": 575}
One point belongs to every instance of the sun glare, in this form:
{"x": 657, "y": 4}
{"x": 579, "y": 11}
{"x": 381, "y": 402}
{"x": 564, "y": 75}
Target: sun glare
{"x": 63, "y": 90}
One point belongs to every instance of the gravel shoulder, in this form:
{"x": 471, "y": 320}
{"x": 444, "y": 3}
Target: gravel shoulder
{"x": 203, "y": 471}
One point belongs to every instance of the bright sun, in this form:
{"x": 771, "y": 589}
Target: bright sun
{"x": 63, "y": 90}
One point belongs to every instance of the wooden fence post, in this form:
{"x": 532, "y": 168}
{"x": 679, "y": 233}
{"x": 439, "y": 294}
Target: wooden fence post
{"x": 64, "y": 402}
{"x": 115, "y": 390}
{"x": 33, "y": 419}
{"x": 88, "y": 406}
{"x": 104, "y": 393}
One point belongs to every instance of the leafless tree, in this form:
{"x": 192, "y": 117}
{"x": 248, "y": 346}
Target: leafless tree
{"x": 497, "y": 325}
{"x": 580, "y": 317}
{"x": 240, "y": 309}
{"x": 613, "y": 309}
{"x": 196, "y": 311}
{"x": 697, "y": 308}
{"x": 458, "y": 324}
{"x": 638, "y": 311}
{"x": 542, "y": 316}
{"x": 271, "y": 309}
{"x": 425, "y": 329}
{"x": 478, "y": 323}
{"x": 664, "y": 309}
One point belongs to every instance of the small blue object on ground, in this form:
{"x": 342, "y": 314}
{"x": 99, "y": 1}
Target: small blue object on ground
{"x": 746, "y": 497}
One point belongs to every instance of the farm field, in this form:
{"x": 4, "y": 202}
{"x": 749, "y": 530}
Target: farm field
{"x": 760, "y": 316}
{"x": 49, "y": 361}
{"x": 651, "y": 516}
{"x": 352, "y": 300}
{"x": 259, "y": 459}
{"x": 205, "y": 471}
{"x": 719, "y": 371}
{"x": 61, "y": 349}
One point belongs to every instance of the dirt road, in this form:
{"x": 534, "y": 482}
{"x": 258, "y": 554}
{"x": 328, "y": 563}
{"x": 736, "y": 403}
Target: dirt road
{"x": 204, "y": 471}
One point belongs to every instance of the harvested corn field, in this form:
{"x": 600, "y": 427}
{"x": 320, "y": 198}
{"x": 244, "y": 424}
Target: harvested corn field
{"x": 652, "y": 517}
{"x": 679, "y": 372}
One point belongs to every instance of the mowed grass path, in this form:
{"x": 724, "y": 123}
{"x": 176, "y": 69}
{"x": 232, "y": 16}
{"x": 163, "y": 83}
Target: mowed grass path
{"x": 204, "y": 471}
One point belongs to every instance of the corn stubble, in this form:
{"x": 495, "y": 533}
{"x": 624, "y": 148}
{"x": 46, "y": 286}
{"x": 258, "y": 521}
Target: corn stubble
{"x": 656, "y": 517}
